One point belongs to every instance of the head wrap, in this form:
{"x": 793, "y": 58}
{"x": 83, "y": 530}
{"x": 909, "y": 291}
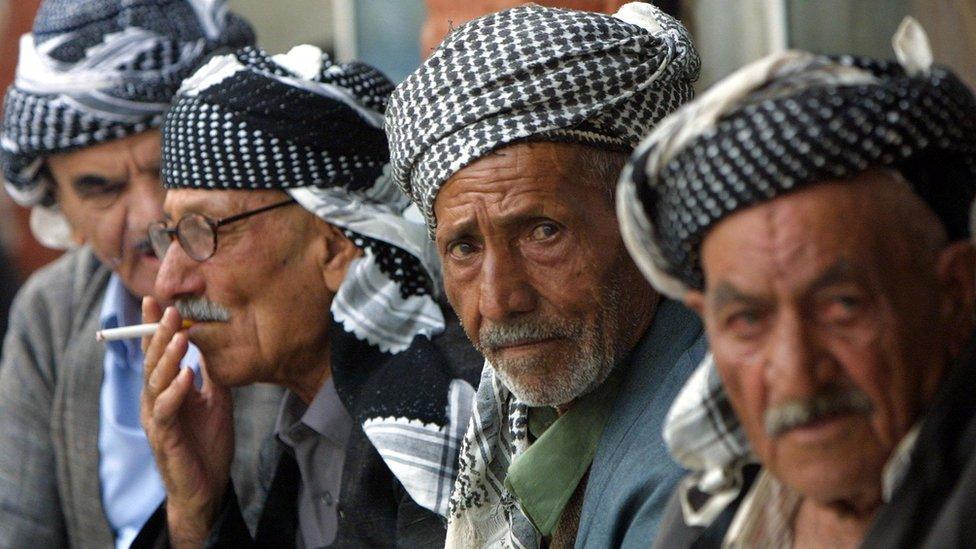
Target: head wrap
{"x": 98, "y": 70}
{"x": 536, "y": 73}
{"x": 788, "y": 121}
{"x": 314, "y": 129}
{"x": 301, "y": 124}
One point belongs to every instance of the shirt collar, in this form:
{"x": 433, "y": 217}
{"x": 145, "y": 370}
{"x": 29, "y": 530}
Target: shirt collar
{"x": 766, "y": 516}
{"x": 120, "y": 308}
{"x": 325, "y": 416}
{"x": 544, "y": 477}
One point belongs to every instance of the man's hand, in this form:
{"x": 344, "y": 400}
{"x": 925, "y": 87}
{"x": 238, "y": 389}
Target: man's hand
{"x": 191, "y": 431}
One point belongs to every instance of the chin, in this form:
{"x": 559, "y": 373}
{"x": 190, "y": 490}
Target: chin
{"x": 837, "y": 476}
{"x": 227, "y": 375}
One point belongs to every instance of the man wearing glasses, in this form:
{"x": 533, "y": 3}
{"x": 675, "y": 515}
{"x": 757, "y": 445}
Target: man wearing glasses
{"x": 286, "y": 246}
{"x": 80, "y": 145}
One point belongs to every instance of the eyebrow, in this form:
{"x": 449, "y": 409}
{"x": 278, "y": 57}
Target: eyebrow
{"x": 89, "y": 182}
{"x": 725, "y": 294}
{"x": 519, "y": 217}
{"x": 842, "y": 271}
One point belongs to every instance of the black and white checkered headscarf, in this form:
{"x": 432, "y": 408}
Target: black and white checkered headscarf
{"x": 312, "y": 128}
{"x": 98, "y": 70}
{"x": 536, "y": 73}
{"x": 299, "y": 123}
{"x": 787, "y": 121}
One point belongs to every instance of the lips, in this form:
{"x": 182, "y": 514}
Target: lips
{"x": 523, "y": 344}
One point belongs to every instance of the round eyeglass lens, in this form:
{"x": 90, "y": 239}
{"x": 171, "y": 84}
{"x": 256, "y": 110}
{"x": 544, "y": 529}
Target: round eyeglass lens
{"x": 197, "y": 236}
{"x": 159, "y": 238}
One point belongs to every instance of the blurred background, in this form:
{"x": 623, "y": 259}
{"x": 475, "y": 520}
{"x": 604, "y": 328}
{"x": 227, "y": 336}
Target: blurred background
{"x": 395, "y": 34}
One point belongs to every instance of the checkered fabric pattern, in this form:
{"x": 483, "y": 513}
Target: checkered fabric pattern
{"x": 800, "y": 119}
{"x": 302, "y": 124}
{"x": 536, "y": 73}
{"x": 276, "y": 129}
{"x": 97, "y": 70}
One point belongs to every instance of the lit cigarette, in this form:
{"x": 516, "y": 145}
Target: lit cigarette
{"x": 132, "y": 332}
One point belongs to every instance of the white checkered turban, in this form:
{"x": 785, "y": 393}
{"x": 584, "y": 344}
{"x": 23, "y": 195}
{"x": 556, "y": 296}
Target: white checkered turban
{"x": 788, "y": 121}
{"x": 92, "y": 71}
{"x": 301, "y": 124}
{"x": 536, "y": 73}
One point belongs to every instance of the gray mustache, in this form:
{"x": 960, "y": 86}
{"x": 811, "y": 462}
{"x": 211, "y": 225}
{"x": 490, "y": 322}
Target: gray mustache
{"x": 200, "y": 309}
{"x": 800, "y": 412}
{"x": 521, "y": 331}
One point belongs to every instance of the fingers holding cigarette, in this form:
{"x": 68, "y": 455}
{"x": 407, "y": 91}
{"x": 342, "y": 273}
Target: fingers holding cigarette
{"x": 163, "y": 389}
{"x": 168, "y": 325}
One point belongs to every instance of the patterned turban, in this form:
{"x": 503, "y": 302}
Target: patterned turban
{"x": 535, "y": 73}
{"x": 314, "y": 129}
{"x": 788, "y": 121}
{"x": 98, "y": 70}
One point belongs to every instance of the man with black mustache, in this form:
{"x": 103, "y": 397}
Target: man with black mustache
{"x": 80, "y": 145}
{"x": 816, "y": 212}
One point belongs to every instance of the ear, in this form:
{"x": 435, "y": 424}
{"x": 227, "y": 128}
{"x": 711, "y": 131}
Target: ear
{"x": 339, "y": 255}
{"x": 695, "y": 300}
{"x": 956, "y": 269}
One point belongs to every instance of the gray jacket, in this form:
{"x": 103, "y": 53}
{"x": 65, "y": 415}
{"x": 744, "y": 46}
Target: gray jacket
{"x": 50, "y": 382}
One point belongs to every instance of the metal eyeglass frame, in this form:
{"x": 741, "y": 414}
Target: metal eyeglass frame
{"x": 174, "y": 232}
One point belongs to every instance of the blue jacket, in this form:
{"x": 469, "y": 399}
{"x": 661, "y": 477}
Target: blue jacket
{"x": 633, "y": 474}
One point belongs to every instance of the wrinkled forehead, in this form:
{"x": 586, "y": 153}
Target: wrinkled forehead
{"x": 793, "y": 240}
{"x": 528, "y": 179}
{"x": 216, "y": 203}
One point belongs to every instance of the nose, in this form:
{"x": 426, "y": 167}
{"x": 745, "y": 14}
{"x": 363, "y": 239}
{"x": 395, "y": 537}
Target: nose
{"x": 506, "y": 289}
{"x": 145, "y": 201}
{"x": 798, "y": 364}
{"x": 179, "y": 275}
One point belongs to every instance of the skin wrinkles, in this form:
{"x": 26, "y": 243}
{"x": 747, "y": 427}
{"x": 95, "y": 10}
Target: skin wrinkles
{"x": 109, "y": 193}
{"x": 259, "y": 279}
{"x": 840, "y": 286}
{"x": 524, "y": 242}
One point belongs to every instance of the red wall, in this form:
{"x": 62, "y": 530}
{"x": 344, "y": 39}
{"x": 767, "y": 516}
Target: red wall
{"x": 29, "y": 255}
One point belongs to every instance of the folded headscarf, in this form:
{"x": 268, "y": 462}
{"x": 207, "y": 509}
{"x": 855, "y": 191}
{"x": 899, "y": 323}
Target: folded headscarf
{"x": 791, "y": 120}
{"x": 92, "y": 71}
{"x": 527, "y": 74}
{"x": 536, "y": 73}
{"x": 779, "y": 124}
{"x": 314, "y": 129}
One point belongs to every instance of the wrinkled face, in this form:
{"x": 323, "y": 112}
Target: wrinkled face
{"x": 110, "y": 193}
{"x": 265, "y": 279}
{"x": 536, "y": 269}
{"x": 832, "y": 313}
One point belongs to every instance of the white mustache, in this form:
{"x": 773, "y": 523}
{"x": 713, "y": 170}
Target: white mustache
{"x": 794, "y": 414}
{"x": 200, "y": 309}
{"x": 522, "y": 331}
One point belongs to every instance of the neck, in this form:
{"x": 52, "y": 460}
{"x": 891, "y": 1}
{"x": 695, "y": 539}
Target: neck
{"x": 837, "y": 524}
{"x": 305, "y": 375}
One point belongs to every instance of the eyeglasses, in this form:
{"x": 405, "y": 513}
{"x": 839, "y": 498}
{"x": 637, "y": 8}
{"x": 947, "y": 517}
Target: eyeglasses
{"x": 197, "y": 233}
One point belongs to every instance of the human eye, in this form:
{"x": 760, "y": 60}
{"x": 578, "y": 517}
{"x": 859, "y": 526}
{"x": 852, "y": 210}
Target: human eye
{"x": 843, "y": 307}
{"x": 543, "y": 231}
{"x": 461, "y": 249}
{"x": 99, "y": 190}
{"x": 745, "y": 323}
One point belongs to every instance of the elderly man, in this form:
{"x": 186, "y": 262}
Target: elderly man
{"x": 815, "y": 211}
{"x": 285, "y": 245}
{"x": 80, "y": 145}
{"x": 509, "y": 138}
